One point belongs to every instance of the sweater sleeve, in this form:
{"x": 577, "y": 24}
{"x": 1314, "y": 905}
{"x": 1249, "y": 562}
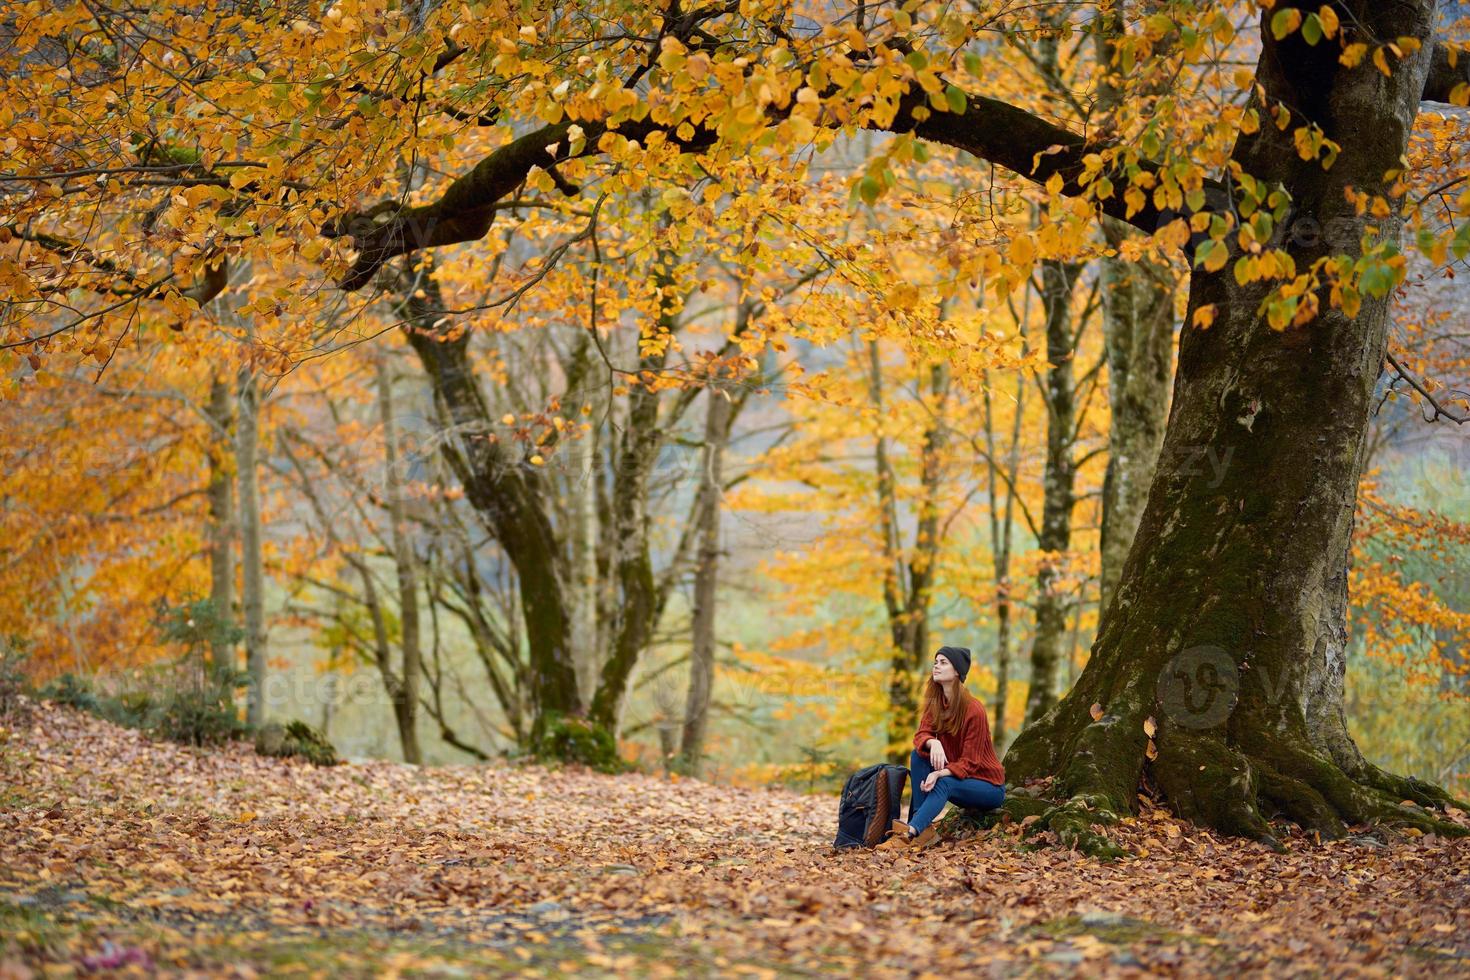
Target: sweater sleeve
{"x": 972, "y": 745}
{"x": 925, "y": 733}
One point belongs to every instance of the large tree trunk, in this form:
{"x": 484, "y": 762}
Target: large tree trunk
{"x": 507, "y": 491}
{"x": 1228, "y": 627}
{"x": 247, "y": 444}
{"x": 404, "y": 692}
{"x": 1058, "y": 486}
{"x": 221, "y": 413}
{"x": 1138, "y": 328}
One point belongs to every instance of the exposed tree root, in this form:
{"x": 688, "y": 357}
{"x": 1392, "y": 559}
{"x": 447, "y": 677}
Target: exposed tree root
{"x": 1210, "y": 783}
{"x": 1349, "y": 799}
{"x": 1298, "y": 801}
{"x": 1234, "y": 785}
{"x": 1404, "y": 787}
{"x": 1073, "y": 821}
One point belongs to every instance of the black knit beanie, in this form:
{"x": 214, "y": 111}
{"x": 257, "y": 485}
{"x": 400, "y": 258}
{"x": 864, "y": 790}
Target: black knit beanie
{"x": 959, "y": 658}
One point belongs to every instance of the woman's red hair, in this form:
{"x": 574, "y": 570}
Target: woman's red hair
{"x": 942, "y": 717}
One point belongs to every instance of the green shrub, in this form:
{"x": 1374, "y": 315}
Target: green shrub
{"x": 198, "y": 710}
{"x": 131, "y": 709}
{"x": 190, "y": 699}
{"x": 571, "y": 739}
{"x": 196, "y": 700}
{"x": 13, "y": 682}
{"x": 181, "y": 702}
{"x": 74, "y": 692}
{"x": 296, "y": 740}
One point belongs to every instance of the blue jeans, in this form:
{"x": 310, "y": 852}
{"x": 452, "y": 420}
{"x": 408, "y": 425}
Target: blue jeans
{"x": 973, "y": 794}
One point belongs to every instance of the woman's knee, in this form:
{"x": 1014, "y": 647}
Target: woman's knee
{"x": 981, "y": 795}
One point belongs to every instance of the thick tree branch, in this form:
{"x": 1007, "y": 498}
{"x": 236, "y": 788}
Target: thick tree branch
{"x": 468, "y": 206}
{"x": 988, "y": 128}
{"x": 1025, "y": 144}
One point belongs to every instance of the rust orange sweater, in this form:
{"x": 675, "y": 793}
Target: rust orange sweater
{"x": 970, "y": 752}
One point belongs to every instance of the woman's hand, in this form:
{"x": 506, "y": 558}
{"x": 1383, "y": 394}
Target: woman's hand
{"x": 929, "y": 780}
{"x": 937, "y": 758}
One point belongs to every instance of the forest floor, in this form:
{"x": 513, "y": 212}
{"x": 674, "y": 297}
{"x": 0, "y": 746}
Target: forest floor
{"x": 120, "y": 855}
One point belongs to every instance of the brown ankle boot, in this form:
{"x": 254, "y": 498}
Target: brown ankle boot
{"x": 898, "y": 837}
{"x": 927, "y": 838}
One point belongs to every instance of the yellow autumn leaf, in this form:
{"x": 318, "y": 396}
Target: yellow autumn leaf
{"x": 1353, "y": 54}
{"x": 1329, "y": 20}
{"x": 1380, "y": 61}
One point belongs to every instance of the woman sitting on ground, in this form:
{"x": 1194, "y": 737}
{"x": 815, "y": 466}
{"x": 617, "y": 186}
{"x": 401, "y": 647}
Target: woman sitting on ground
{"x": 953, "y": 759}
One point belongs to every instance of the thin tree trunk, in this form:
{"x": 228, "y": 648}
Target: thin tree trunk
{"x": 1138, "y": 328}
{"x": 636, "y": 611}
{"x": 718, "y": 416}
{"x": 221, "y": 520}
{"x": 508, "y": 492}
{"x": 251, "y": 556}
{"x": 631, "y": 557}
{"x": 924, "y": 565}
{"x": 581, "y": 517}
{"x": 584, "y": 583}
{"x": 405, "y": 692}
{"x": 1059, "y": 495}
{"x": 1002, "y": 533}
{"x": 902, "y": 705}
{"x": 907, "y": 586}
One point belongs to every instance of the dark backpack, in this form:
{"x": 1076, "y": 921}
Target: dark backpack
{"x": 871, "y": 801}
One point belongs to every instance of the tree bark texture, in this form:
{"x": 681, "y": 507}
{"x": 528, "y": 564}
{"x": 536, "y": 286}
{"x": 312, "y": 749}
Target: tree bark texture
{"x": 1138, "y": 329}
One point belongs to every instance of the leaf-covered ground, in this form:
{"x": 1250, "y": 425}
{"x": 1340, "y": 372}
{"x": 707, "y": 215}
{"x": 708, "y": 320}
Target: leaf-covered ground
{"x": 121, "y": 854}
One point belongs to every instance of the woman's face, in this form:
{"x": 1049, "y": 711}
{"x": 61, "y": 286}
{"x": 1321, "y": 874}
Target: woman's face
{"x": 944, "y": 671}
